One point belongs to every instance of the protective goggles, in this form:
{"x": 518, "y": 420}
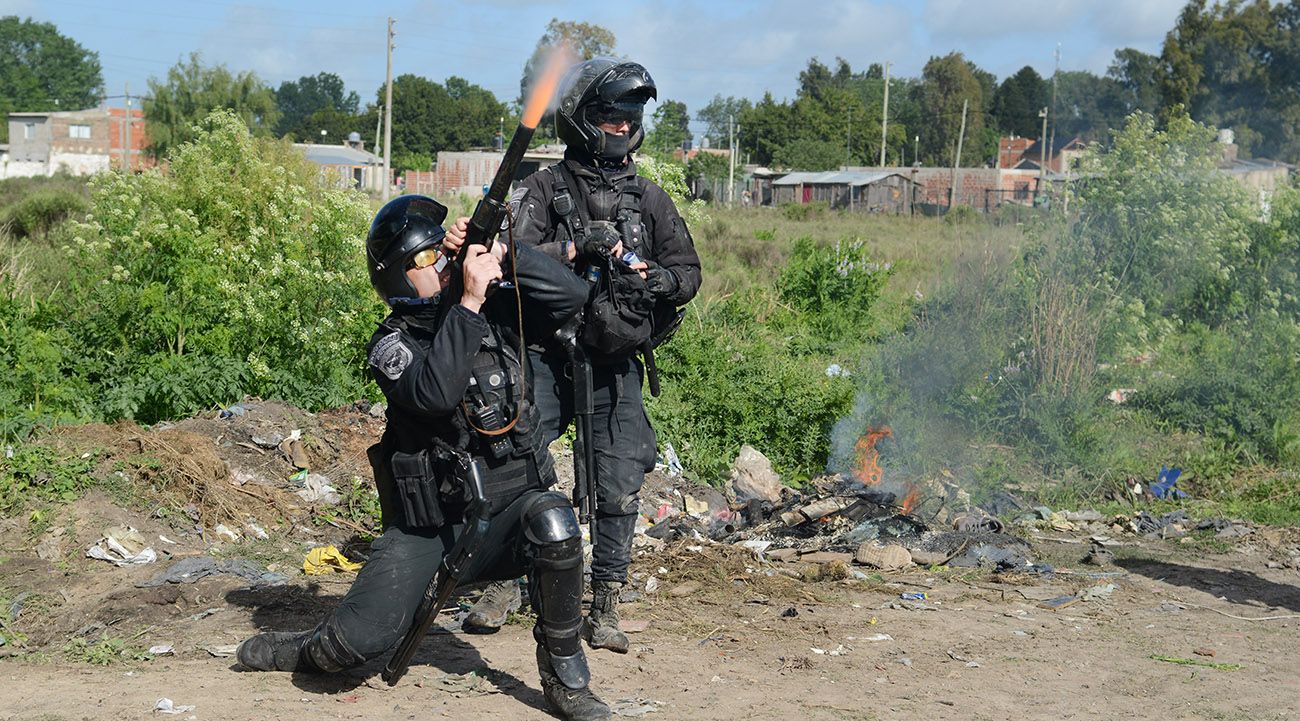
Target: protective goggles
{"x": 615, "y": 113}
{"x": 427, "y": 257}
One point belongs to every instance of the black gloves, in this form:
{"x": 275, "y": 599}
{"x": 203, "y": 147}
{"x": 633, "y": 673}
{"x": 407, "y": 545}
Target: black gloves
{"x": 600, "y": 239}
{"x": 659, "y": 280}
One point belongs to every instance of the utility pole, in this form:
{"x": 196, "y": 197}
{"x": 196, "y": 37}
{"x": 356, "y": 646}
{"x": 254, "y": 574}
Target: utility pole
{"x": 126, "y": 144}
{"x": 731, "y": 158}
{"x": 956, "y": 160}
{"x": 1042, "y": 152}
{"x": 848, "y": 139}
{"x": 1052, "y": 141}
{"x": 884, "y": 118}
{"x": 388, "y": 115}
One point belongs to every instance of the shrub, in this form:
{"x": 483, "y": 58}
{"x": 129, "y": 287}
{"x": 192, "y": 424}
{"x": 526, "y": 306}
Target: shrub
{"x": 1240, "y": 385}
{"x": 835, "y": 287}
{"x": 233, "y": 273}
{"x": 671, "y": 176}
{"x": 804, "y": 211}
{"x": 38, "y": 214}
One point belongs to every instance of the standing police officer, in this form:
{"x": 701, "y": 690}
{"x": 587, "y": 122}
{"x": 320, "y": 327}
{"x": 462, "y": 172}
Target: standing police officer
{"x": 459, "y": 393}
{"x": 624, "y": 234}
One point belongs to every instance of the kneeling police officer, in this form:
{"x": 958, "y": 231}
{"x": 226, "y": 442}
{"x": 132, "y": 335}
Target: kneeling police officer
{"x": 459, "y": 395}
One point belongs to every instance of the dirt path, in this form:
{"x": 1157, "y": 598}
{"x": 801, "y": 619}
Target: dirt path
{"x": 979, "y": 649}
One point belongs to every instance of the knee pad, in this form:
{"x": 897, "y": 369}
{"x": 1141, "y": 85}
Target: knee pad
{"x": 549, "y": 519}
{"x": 629, "y": 504}
{"x": 328, "y": 651}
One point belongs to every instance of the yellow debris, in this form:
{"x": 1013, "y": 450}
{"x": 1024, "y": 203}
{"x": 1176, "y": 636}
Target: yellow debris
{"x": 327, "y": 559}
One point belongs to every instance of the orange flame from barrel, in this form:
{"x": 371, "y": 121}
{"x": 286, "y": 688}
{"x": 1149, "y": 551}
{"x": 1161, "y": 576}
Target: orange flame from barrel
{"x": 868, "y": 456}
{"x": 540, "y": 95}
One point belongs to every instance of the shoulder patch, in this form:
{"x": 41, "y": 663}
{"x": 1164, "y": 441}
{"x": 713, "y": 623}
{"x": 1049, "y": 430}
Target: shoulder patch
{"x": 513, "y": 203}
{"x": 390, "y": 356}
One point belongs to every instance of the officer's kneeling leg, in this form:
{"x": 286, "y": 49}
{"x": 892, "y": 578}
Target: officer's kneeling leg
{"x": 555, "y": 584}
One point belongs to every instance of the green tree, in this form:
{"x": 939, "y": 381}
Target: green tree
{"x": 429, "y": 117}
{"x": 1234, "y": 65}
{"x": 1089, "y": 106}
{"x": 41, "y": 69}
{"x": 716, "y": 115}
{"x": 1018, "y": 100}
{"x": 671, "y": 127}
{"x": 192, "y": 91}
{"x": 947, "y": 82}
{"x": 304, "y": 102}
{"x": 1138, "y": 76}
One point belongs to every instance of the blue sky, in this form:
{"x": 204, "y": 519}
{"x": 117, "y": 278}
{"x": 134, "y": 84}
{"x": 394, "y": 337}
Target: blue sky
{"x": 693, "y": 49}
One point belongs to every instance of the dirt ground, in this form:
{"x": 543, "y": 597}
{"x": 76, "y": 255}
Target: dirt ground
{"x": 725, "y": 635}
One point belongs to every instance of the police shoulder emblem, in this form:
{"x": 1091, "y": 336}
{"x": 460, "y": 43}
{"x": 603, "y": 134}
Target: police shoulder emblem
{"x": 515, "y": 200}
{"x": 391, "y": 356}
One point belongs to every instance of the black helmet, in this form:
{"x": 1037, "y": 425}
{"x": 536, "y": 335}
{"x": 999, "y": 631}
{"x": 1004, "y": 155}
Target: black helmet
{"x": 405, "y": 226}
{"x": 599, "y": 90}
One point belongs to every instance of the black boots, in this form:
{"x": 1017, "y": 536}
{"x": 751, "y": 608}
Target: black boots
{"x": 571, "y": 704}
{"x": 601, "y": 627}
{"x": 274, "y": 651}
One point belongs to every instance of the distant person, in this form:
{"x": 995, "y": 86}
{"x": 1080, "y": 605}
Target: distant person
{"x": 457, "y": 392}
{"x": 595, "y": 214}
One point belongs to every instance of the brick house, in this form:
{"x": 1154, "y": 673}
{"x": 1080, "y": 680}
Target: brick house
{"x": 1027, "y": 153}
{"x": 80, "y": 142}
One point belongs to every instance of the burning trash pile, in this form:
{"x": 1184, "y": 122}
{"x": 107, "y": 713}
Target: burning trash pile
{"x": 850, "y": 518}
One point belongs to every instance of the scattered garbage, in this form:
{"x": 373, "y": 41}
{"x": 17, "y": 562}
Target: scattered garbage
{"x": 237, "y": 409}
{"x": 1058, "y": 603}
{"x": 669, "y": 462}
{"x": 914, "y": 596}
{"x": 327, "y": 559}
{"x": 1097, "y": 593}
{"x": 752, "y": 477}
{"x": 317, "y": 489}
{"x": 634, "y": 707}
{"x": 470, "y": 683}
{"x": 162, "y": 650}
{"x": 892, "y": 557}
{"x": 189, "y": 570}
{"x": 122, "y": 546}
{"x": 225, "y": 532}
{"x": 221, "y": 651}
{"x": 166, "y": 705}
{"x": 1164, "y": 487}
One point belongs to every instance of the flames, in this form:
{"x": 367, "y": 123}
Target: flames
{"x": 867, "y": 467}
{"x": 868, "y": 456}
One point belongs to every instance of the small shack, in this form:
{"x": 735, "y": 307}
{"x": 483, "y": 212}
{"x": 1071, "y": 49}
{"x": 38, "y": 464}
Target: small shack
{"x": 854, "y": 190}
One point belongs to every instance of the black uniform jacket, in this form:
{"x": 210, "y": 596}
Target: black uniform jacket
{"x": 669, "y": 240}
{"x": 424, "y": 356}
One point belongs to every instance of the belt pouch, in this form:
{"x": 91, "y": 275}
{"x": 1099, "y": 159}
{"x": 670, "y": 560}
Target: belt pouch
{"x": 417, "y": 489}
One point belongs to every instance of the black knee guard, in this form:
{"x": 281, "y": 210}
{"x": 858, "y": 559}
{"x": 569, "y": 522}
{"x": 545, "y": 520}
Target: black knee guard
{"x": 555, "y": 586}
{"x": 327, "y": 651}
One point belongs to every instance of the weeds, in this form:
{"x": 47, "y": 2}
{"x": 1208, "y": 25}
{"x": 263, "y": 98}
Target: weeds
{"x": 104, "y": 651}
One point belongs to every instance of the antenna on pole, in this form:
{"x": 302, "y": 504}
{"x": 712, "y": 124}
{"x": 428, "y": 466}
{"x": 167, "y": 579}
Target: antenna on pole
{"x": 388, "y": 116}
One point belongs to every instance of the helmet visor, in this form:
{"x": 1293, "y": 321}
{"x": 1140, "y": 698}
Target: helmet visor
{"x": 615, "y": 113}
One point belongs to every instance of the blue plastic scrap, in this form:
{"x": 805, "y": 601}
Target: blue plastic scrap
{"x": 1164, "y": 487}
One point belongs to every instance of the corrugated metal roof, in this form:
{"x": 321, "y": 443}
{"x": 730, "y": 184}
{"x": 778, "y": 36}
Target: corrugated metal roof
{"x": 835, "y": 177}
{"x": 337, "y": 155}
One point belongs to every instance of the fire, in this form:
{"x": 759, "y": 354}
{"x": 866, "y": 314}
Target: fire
{"x": 910, "y": 501}
{"x": 868, "y": 456}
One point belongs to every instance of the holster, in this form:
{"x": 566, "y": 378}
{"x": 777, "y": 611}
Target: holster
{"x": 387, "y": 490}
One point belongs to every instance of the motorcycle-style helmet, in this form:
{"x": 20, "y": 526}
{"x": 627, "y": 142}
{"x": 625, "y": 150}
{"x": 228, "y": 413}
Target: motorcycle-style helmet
{"x": 602, "y": 90}
{"x": 405, "y": 226}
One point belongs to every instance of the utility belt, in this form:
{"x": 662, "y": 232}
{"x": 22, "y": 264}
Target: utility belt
{"x": 423, "y": 487}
